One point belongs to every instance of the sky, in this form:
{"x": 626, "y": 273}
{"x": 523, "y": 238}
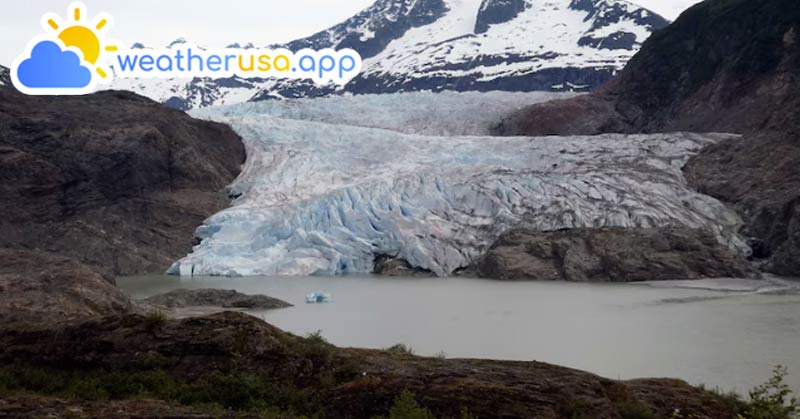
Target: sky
{"x": 211, "y": 23}
{"x": 670, "y": 9}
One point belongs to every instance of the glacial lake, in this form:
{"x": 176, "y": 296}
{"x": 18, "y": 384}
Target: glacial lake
{"x": 723, "y": 333}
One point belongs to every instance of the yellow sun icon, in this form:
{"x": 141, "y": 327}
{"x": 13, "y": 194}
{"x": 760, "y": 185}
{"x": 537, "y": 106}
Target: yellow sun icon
{"x": 87, "y": 36}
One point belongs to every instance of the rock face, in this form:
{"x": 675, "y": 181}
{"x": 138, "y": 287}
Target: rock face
{"x": 759, "y": 175}
{"x": 39, "y": 286}
{"x": 392, "y": 266}
{"x": 352, "y": 383}
{"x": 724, "y": 65}
{"x": 610, "y": 254}
{"x": 111, "y": 179}
{"x": 215, "y": 297}
{"x": 99, "y": 185}
{"x": 497, "y": 11}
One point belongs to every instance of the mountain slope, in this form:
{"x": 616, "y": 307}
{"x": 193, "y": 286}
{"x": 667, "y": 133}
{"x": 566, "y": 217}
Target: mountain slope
{"x": 724, "y": 65}
{"x": 513, "y": 45}
{"x": 5, "y": 79}
{"x": 239, "y": 361}
{"x": 517, "y": 46}
{"x": 98, "y": 185}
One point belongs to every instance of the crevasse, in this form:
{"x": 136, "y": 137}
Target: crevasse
{"x": 330, "y": 183}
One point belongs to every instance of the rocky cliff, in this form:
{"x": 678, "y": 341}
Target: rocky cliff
{"x": 610, "y": 254}
{"x": 111, "y": 183}
{"x": 724, "y": 65}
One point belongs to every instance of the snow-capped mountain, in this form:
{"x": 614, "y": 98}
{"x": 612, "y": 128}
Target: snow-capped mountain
{"x": 461, "y": 45}
{"x": 5, "y": 79}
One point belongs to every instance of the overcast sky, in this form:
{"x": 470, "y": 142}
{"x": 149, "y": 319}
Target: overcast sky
{"x": 212, "y": 23}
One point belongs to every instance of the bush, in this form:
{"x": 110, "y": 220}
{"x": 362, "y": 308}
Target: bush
{"x": 773, "y": 399}
{"x": 634, "y": 410}
{"x": 241, "y": 391}
{"x": 406, "y": 407}
{"x": 154, "y": 320}
{"x": 400, "y": 348}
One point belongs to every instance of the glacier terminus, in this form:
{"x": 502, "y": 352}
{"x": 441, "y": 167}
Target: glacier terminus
{"x": 331, "y": 183}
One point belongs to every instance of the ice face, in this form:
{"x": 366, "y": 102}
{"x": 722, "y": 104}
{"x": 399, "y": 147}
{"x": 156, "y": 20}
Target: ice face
{"x": 329, "y": 183}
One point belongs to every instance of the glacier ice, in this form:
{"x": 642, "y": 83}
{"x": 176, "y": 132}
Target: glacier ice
{"x": 331, "y": 182}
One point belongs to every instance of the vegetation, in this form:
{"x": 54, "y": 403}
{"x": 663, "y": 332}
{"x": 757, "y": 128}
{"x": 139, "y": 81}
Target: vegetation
{"x": 406, "y": 407}
{"x": 154, "y": 319}
{"x": 400, "y": 348}
{"x": 631, "y": 409}
{"x": 235, "y": 390}
{"x": 248, "y": 392}
{"x": 773, "y": 399}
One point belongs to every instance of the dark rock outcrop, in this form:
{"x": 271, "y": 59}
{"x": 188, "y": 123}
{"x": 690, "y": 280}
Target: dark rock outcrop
{"x": 40, "y": 286}
{"x": 760, "y": 176}
{"x": 353, "y": 383}
{"x": 214, "y": 298}
{"x": 110, "y": 179}
{"x": 99, "y": 185}
{"x": 610, "y": 254}
{"x": 725, "y": 66}
{"x": 392, "y": 266}
{"x": 604, "y": 13}
{"x": 497, "y": 11}
{"x": 385, "y": 19}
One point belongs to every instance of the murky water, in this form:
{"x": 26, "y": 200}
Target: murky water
{"x": 725, "y": 333}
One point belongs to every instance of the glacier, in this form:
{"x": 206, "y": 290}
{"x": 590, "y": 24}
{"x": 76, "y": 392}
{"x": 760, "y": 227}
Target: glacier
{"x": 330, "y": 183}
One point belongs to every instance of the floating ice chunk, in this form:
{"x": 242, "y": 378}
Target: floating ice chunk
{"x": 318, "y": 297}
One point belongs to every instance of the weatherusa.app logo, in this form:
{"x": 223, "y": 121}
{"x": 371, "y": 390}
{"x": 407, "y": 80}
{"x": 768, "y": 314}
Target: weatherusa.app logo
{"x": 68, "y": 58}
{"x": 73, "y": 56}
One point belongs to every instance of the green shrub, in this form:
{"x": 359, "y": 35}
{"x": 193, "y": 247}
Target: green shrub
{"x": 632, "y": 409}
{"x": 773, "y": 399}
{"x": 577, "y": 409}
{"x": 406, "y": 407}
{"x": 316, "y": 338}
{"x": 241, "y": 391}
{"x": 154, "y": 320}
{"x": 400, "y": 348}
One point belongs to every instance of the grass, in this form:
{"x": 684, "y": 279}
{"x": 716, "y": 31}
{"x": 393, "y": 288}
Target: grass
{"x": 245, "y": 391}
{"x": 235, "y": 390}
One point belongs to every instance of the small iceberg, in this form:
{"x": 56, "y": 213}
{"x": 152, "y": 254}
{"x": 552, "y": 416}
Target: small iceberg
{"x": 318, "y": 297}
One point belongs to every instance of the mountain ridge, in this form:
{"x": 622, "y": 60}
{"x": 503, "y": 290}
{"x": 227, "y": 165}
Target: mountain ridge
{"x": 458, "y": 45}
{"x": 724, "y": 65}
{"x": 95, "y": 186}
